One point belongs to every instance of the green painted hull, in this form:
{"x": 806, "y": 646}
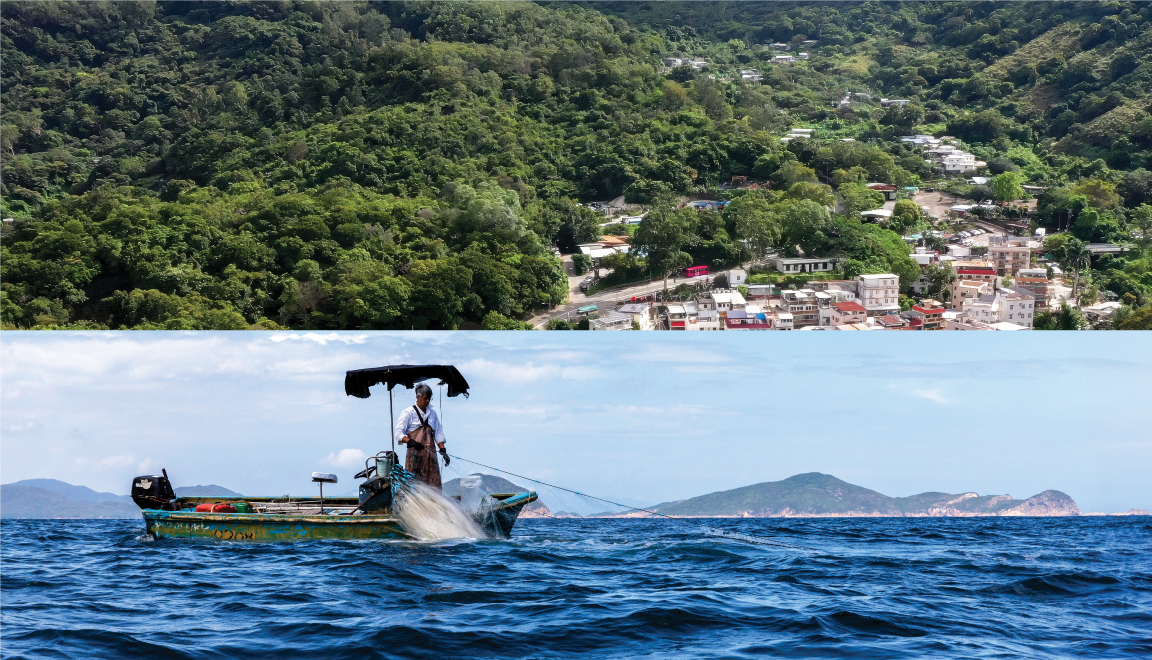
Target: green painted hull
{"x": 269, "y": 527}
{"x": 497, "y": 520}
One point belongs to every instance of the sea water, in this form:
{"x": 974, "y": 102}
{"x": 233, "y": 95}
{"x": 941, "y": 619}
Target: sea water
{"x": 429, "y": 515}
{"x": 874, "y": 588}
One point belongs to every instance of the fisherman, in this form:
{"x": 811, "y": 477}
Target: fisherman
{"x": 418, "y": 427}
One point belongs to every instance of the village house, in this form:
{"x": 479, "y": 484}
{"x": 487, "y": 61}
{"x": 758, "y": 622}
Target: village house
{"x": 1010, "y": 253}
{"x": 739, "y": 319}
{"x": 709, "y": 319}
{"x": 1034, "y": 281}
{"x": 888, "y": 190}
{"x": 880, "y": 294}
{"x": 721, "y": 301}
{"x": 783, "y": 320}
{"x": 967, "y": 273}
{"x": 930, "y": 315}
{"x": 802, "y": 305}
{"x": 760, "y": 291}
{"x": 736, "y": 277}
{"x": 891, "y": 322}
{"x": 844, "y": 313}
{"x": 611, "y": 320}
{"x": 1005, "y": 305}
{"x": 681, "y": 316}
{"x": 828, "y": 297}
{"x": 805, "y": 264}
{"x": 879, "y": 216}
{"x": 643, "y": 314}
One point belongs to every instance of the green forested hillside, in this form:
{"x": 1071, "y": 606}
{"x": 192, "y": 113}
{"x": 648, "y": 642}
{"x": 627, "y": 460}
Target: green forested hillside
{"x": 410, "y": 165}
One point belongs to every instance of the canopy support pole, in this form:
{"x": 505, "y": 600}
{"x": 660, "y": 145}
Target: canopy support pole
{"x": 391, "y": 422}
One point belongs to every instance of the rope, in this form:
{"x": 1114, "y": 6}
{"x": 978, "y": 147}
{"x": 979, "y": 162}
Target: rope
{"x": 711, "y": 531}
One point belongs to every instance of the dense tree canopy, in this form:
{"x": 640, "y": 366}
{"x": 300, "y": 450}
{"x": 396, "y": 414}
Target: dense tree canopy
{"x": 411, "y": 164}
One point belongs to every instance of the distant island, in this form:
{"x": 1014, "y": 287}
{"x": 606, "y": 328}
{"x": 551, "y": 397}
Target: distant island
{"x": 811, "y": 495}
{"x": 52, "y": 498}
{"x": 815, "y": 495}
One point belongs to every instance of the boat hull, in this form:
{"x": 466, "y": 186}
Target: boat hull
{"x": 269, "y": 527}
{"x": 497, "y": 520}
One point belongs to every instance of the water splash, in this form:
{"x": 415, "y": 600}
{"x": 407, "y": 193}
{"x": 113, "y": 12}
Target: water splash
{"x": 428, "y": 514}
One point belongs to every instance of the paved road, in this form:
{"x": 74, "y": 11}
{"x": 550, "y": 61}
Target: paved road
{"x": 604, "y": 300}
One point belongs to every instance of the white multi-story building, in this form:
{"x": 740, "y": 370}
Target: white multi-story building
{"x": 802, "y": 307}
{"x": 721, "y": 301}
{"x": 880, "y": 294}
{"x": 1005, "y": 305}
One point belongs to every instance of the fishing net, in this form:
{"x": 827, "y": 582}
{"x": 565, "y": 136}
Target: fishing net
{"x": 426, "y": 513}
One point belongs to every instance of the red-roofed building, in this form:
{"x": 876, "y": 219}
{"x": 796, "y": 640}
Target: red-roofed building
{"x": 892, "y": 322}
{"x": 887, "y": 189}
{"x": 970, "y": 275}
{"x": 847, "y": 312}
{"x": 932, "y": 318}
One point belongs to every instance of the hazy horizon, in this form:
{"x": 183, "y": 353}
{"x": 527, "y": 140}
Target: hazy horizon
{"x": 617, "y": 415}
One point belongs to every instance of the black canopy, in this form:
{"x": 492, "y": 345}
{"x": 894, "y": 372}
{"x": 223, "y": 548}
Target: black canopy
{"x": 357, "y": 381}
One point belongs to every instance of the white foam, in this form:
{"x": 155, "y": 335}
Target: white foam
{"x": 427, "y": 514}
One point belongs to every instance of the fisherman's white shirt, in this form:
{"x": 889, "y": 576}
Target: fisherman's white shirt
{"x": 409, "y": 422}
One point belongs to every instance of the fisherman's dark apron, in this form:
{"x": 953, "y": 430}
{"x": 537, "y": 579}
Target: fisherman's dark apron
{"x": 423, "y": 463}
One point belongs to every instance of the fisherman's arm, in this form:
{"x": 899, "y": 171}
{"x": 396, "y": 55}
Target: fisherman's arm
{"x": 401, "y": 424}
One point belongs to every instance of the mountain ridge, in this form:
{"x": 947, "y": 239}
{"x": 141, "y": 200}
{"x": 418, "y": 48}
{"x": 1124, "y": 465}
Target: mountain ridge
{"x": 814, "y": 494}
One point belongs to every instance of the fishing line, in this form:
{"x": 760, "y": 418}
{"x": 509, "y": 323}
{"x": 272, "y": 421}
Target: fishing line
{"x": 711, "y": 531}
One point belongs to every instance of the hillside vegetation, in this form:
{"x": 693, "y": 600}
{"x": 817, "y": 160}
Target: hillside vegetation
{"x": 227, "y": 165}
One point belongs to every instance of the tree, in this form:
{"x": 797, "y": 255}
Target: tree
{"x": 858, "y": 197}
{"x": 497, "y": 321}
{"x": 756, "y": 222}
{"x": 1067, "y": 318}
{"x": 1007, "y": 186}
{"x": 1100, "y": 194}
{"x": 905, "y": 215}
{"x": 661, "y": 235}
{"x": 792, "y": 172}
{"x": 940, "y": 278}
{"x": 581, "y": 263}
{"x": 1141, "y": 222}
{"x": 806, "y": 225}
{"x": 1140, "y": 319}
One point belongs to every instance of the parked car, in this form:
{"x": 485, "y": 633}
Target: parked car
{"x": 586, "y": 283}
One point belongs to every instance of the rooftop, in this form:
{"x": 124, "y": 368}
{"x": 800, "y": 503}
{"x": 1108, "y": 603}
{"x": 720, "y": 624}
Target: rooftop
{"x": 849, "y": 307}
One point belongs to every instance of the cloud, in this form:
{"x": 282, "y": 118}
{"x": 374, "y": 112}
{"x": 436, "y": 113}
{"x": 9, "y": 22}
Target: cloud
{"x": 528, "y": 371}
{"x": 347, "y": 458}
{"x": 932, "y": 395}
{"x": 21, "y": 428}
{"x": 321, "y": 339}
{"x": 123, "y": 460}
{"x": 147, "y": 465}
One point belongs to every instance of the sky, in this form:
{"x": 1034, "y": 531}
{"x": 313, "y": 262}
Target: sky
{"x": 639, "y": 417}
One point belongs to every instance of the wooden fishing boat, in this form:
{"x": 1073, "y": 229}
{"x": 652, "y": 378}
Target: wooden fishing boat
{"x": 369, "y": 516}
{"x": 279, "y": 519}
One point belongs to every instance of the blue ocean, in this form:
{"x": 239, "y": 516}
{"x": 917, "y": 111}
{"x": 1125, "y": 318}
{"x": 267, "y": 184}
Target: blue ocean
{"x": 869, "y": 588}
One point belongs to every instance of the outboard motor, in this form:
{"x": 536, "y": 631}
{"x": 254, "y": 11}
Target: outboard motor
{"x": 376, "y": 492}
{"x": 154, "y": 492}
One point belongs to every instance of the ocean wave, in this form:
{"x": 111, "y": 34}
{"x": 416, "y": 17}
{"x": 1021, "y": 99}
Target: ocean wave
{"x": 884, "y": 588}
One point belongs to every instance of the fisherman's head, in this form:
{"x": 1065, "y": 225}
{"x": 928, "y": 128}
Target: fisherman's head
{"x": 423, "y": 395}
